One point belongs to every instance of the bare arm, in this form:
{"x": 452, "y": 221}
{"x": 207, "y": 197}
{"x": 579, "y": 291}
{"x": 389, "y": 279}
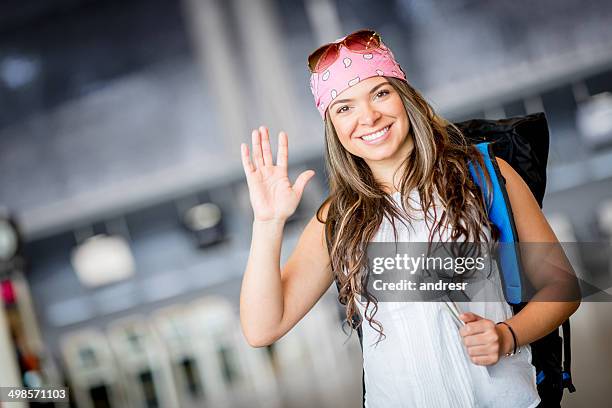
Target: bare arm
{"x": 486, "y": 342}
{"x": 272, "y": 300}
{"x": 538, "y": 318}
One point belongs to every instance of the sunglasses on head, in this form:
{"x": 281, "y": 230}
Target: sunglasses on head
{"x": 361, "y": 41}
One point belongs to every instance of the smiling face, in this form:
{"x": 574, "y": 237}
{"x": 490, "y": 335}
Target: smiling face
{"x": 371, "y": 122}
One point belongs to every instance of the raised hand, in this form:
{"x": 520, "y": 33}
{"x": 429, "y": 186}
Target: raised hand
{"x": 272, "y": 195}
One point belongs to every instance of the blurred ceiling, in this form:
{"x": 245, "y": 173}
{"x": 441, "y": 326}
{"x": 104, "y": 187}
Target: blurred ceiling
{"x": 109, "y": 108}
{"x": 17, "y": 13}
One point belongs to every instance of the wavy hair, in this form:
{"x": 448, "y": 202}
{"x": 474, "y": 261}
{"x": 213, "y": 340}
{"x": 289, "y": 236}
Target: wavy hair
{"x": 357, "y": 203}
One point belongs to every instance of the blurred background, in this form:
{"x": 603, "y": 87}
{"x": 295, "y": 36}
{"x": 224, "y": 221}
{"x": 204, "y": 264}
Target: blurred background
{"x": 124, "y": 216}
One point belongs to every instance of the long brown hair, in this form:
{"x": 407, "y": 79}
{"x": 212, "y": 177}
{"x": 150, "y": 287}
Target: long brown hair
{"x": 437, "y": 165}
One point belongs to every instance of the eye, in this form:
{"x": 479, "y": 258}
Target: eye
{"x": 381, "y": 93}
{"x": 342, "y": 109}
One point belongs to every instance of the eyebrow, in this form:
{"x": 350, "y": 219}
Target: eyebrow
{"x": 370, "y": 93}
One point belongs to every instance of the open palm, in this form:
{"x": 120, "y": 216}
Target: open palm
{"x": 272, "y": 195}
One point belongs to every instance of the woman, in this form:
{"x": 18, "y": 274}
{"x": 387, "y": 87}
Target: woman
{"x": 390, "y": 158}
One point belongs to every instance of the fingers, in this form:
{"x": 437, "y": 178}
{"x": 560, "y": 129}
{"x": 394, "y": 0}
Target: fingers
{"x": 265, "y": 146}
{"x": 484, "y": 360}
{"x": 484, "y": 350}
{"x": 484, "y": 355}
{"x": 301, "y": 181}
{"x": 247, "y": 165}
{"x": 482, "y": 342}
{"x": 257, "y": 153}
{"x": 481, "y": 339}
{"x": 283, "y": 150}
{"x": 479, "y": 326}
{"x": 469, "y": 317}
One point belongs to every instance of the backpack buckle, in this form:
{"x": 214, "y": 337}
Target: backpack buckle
{"x": 567, "y": 381}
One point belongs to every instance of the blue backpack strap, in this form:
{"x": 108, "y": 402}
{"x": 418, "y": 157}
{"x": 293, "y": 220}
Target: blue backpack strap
{"x": 500, "y": 214}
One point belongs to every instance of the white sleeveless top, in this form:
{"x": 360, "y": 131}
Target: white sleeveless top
{"x": 422, "y": 361}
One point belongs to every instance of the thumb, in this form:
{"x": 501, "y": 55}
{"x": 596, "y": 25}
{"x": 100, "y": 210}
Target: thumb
{"x": 468, "y": 317}
{"x": 301, "y": 181}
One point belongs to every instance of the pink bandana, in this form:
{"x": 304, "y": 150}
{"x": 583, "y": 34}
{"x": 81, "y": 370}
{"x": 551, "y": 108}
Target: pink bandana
{"x": 350, "y": 68}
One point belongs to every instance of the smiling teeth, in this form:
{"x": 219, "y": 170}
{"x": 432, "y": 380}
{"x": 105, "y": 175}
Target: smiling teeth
{"x": 375, "y": 135}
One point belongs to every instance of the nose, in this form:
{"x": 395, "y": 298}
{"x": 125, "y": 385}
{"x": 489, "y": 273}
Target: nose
{"x": 369, "y": 115}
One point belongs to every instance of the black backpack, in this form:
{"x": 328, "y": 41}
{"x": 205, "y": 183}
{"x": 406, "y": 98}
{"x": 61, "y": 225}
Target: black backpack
{"x": 523, "y": 142}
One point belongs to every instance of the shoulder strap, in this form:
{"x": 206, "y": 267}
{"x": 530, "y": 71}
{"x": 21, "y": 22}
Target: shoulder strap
{"x": 500, "y": 214}
{"x": 567, "y": 357}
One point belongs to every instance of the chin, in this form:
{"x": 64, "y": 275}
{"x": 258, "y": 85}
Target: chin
{"x": 377, "y": 156}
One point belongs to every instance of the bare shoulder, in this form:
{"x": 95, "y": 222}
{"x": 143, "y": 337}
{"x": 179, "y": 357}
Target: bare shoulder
{"x": 516, "y": 186}
{"x": 318, "y": 222}
{"x": 506, "y": 169}
{"x": 514, "y": 181}
{"x": 321, "y": 214}
{"x": 528, "y": 217}
{"x": 519, "y": 193}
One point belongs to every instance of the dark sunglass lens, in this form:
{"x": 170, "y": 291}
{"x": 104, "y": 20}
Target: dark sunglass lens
{"x": 314, "y": 58}
{"x": 328, "y": 58}
{"x": 362, "y": 40}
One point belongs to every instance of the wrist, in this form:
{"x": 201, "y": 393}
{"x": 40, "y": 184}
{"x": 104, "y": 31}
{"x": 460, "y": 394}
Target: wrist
{"x": 506, "y": 340}
{"x": 272, "y": 222}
